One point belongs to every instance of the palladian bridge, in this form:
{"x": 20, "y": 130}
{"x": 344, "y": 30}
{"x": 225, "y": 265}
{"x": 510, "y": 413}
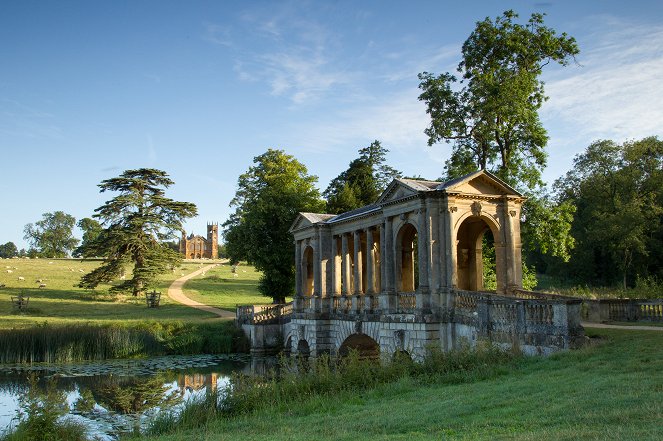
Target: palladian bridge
{"x": 406, "y": 273}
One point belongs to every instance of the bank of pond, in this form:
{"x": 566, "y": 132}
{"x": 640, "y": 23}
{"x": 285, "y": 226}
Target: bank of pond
{"x": 63, "y": 343}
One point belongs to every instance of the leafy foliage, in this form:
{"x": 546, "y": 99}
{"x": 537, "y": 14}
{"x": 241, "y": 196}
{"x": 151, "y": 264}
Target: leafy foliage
{"x": 268, "y": 198}
{"x": 363, "y": 181}
{"x": 8, "y": 250}
{"x": 52, "y": 236}
{"x": 493, "y": 119}
{"x": 618, "y": 192}
{"x": 91, "y": 231}
{"x": 137, "y": 222}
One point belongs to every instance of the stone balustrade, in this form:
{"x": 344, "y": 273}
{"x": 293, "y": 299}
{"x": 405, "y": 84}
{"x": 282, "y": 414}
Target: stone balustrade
{"x": 263, "y": 314}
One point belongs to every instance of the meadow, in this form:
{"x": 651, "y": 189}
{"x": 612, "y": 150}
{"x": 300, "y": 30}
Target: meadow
{"x": 65, "y": 323}
{"x": 610, "y": 390}
{"x": 222, "y": 288}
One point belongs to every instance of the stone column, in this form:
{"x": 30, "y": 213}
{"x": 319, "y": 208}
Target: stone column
{"x": 298, "y": 274}
{"x": 333, "y": 267}
{"x": 433, "y": 213}
{"x": 317, "y": 279}
{"x": 370, "y": 262}
{"x": 423, "y": 245}
{"x": 358, "y": 267}
{"x": 512, "y": 248}
{"x": 388, "y": 298}
{"x": 345, "y": 265}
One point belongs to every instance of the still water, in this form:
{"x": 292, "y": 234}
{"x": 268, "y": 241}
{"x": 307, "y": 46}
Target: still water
{"x": 116, "y": 396}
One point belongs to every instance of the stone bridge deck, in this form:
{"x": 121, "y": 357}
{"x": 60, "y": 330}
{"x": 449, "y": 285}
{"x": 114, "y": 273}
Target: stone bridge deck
{"x": 534, "y": 322}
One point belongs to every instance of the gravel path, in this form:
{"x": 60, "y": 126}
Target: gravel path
{"x": 175, "y": 292}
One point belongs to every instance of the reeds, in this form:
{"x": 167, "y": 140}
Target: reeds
{"x": 70, "y": 343}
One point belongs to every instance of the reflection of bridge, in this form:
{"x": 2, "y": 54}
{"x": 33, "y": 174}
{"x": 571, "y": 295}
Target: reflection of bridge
{"x": 407, "y": 272}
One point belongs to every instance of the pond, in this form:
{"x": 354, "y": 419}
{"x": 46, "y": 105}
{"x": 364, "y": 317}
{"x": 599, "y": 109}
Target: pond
{"x": 116, "y": 396}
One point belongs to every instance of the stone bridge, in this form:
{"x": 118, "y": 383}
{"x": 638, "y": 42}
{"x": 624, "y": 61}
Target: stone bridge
{"x": 406, "y": 273}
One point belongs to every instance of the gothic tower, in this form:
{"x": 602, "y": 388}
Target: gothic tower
{"x": 213, "y": 239}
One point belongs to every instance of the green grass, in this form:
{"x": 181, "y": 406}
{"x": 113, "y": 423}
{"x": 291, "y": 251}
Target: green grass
{"x": 61, "y": 302}
{"x": 610, "y": 390}
{"x": 220, "y": 288}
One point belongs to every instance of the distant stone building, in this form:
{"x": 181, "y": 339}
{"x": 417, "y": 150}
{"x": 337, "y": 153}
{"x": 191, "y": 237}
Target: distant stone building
{"x": 197, "y": 247}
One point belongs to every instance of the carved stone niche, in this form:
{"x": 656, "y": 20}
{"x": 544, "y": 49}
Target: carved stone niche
{"x": 399, "y": 339}
{"x": 476, "y": 208}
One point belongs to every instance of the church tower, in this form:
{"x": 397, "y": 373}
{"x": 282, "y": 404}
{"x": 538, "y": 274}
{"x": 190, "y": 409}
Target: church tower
{"x": 213, "y": 240}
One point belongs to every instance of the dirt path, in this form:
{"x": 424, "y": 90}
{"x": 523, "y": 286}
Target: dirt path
{"x": 626, "y": 328}
{"x": 175, "y": 292}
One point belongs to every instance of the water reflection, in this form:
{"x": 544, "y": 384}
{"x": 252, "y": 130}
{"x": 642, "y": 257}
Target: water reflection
{"x": 124, "y": 397}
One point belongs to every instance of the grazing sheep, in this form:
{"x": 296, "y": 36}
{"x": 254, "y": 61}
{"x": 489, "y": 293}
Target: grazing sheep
{"x": 2, "y": 285}
{"x": 50, "y": 263}
{"x": 9, "y": 271}
{"x": 81, "y": 271}
{"x": 21, "y": 278}
{"x": 42, "y": 285}
{"x": 39, "y": 280}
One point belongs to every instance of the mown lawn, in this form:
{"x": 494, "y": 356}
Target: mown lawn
{"x": 221, "y": 288}
{"x": 610, "y": 390}
{"x": 61, "y": 301}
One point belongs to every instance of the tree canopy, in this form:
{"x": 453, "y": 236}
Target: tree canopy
{"x": 91, "y": 230}
{"x": 52, "y": 236}
{"x": 363, "y": 181}
{"x": 268, "y": 198}
{"x": 492, "y": 117}
{"x": 618, "y": 192}
{"x": 137, "y": 222}
{"x": 8, "y": 250}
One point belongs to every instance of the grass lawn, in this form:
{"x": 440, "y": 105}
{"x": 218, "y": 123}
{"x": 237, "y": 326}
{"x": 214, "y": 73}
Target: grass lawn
{"x": 62, "y": 302}
{"x": 221, "y": 288}
{"x": 610, "y": 390}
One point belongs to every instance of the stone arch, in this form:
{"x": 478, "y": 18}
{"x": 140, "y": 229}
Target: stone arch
{"x": 469, "y": 232}
{"x": 303, "y": 349}
{"x": 307, "y": 271}
{"x": 287, "y": 348}
{"x": 406, "y": 258}
{"x": 365, "y": 346}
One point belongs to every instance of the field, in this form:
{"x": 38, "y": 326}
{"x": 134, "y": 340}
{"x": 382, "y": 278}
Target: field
{"x": 610, "y": 390}
{"x": 61, "y": 302}
{"x": 221, "y": 288}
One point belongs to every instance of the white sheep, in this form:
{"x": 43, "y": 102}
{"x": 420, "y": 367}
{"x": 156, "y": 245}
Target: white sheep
{"x": 9, "y": 271}
{"x": 39, "y": 280}
{"x": 21, "y": 278}
{"x": 42, "y": 285}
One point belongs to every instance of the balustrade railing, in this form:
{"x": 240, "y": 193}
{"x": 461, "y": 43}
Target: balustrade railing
{"x": 623, "y": 310}
{"x": 254, "y": 314}
{"x": 407, "y": 301}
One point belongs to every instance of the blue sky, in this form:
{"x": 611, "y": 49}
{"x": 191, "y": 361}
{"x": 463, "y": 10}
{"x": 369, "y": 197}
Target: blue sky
{"x": 198, "y": 89}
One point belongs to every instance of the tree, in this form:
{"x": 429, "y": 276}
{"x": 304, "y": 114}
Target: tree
{"x": 268, "y": 198}
{"x": 492, "y": 120}
{"x": 8, "y": 250}
{"x": 618, "y": 192}
{"x": 52, "y": 236}
{"x": 363, "y": 181}
{"x": 91, "y": 230}
{"x": 136, "y": 222}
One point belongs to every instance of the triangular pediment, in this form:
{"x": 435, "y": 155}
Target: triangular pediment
{"x": 304, "y": 220}
{"x": 398, "y": 189}
{"x": 479, "y": 183}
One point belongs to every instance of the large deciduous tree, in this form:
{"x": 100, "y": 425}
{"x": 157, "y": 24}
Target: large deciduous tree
{"x": 618, "y": 192}
{"x": 91, "y": 230}
{"x": 8, "y": 250}
{"x": 363, "y": 181}
{"x": 137, "y": 222}
{"x": 492, "y": 117}
{"x": 268, "y": 198}
{"x": 52, "y": 236}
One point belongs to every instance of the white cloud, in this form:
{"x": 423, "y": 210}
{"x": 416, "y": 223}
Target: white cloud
{"x": 217, "y": 34}
{"x": 616, "y": 93}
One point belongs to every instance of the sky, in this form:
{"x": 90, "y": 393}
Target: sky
{"x": 89, "y": 89}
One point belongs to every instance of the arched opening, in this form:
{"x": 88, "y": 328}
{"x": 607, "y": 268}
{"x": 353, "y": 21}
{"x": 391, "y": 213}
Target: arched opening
{"x": 303, "y": 350}
{"x": 287, "y": 348}
{"x": 307, "y": 267}
{"x": 477, "y": 264}
{"x": 408, "y": 257}
{"x": 364, "y": 345}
